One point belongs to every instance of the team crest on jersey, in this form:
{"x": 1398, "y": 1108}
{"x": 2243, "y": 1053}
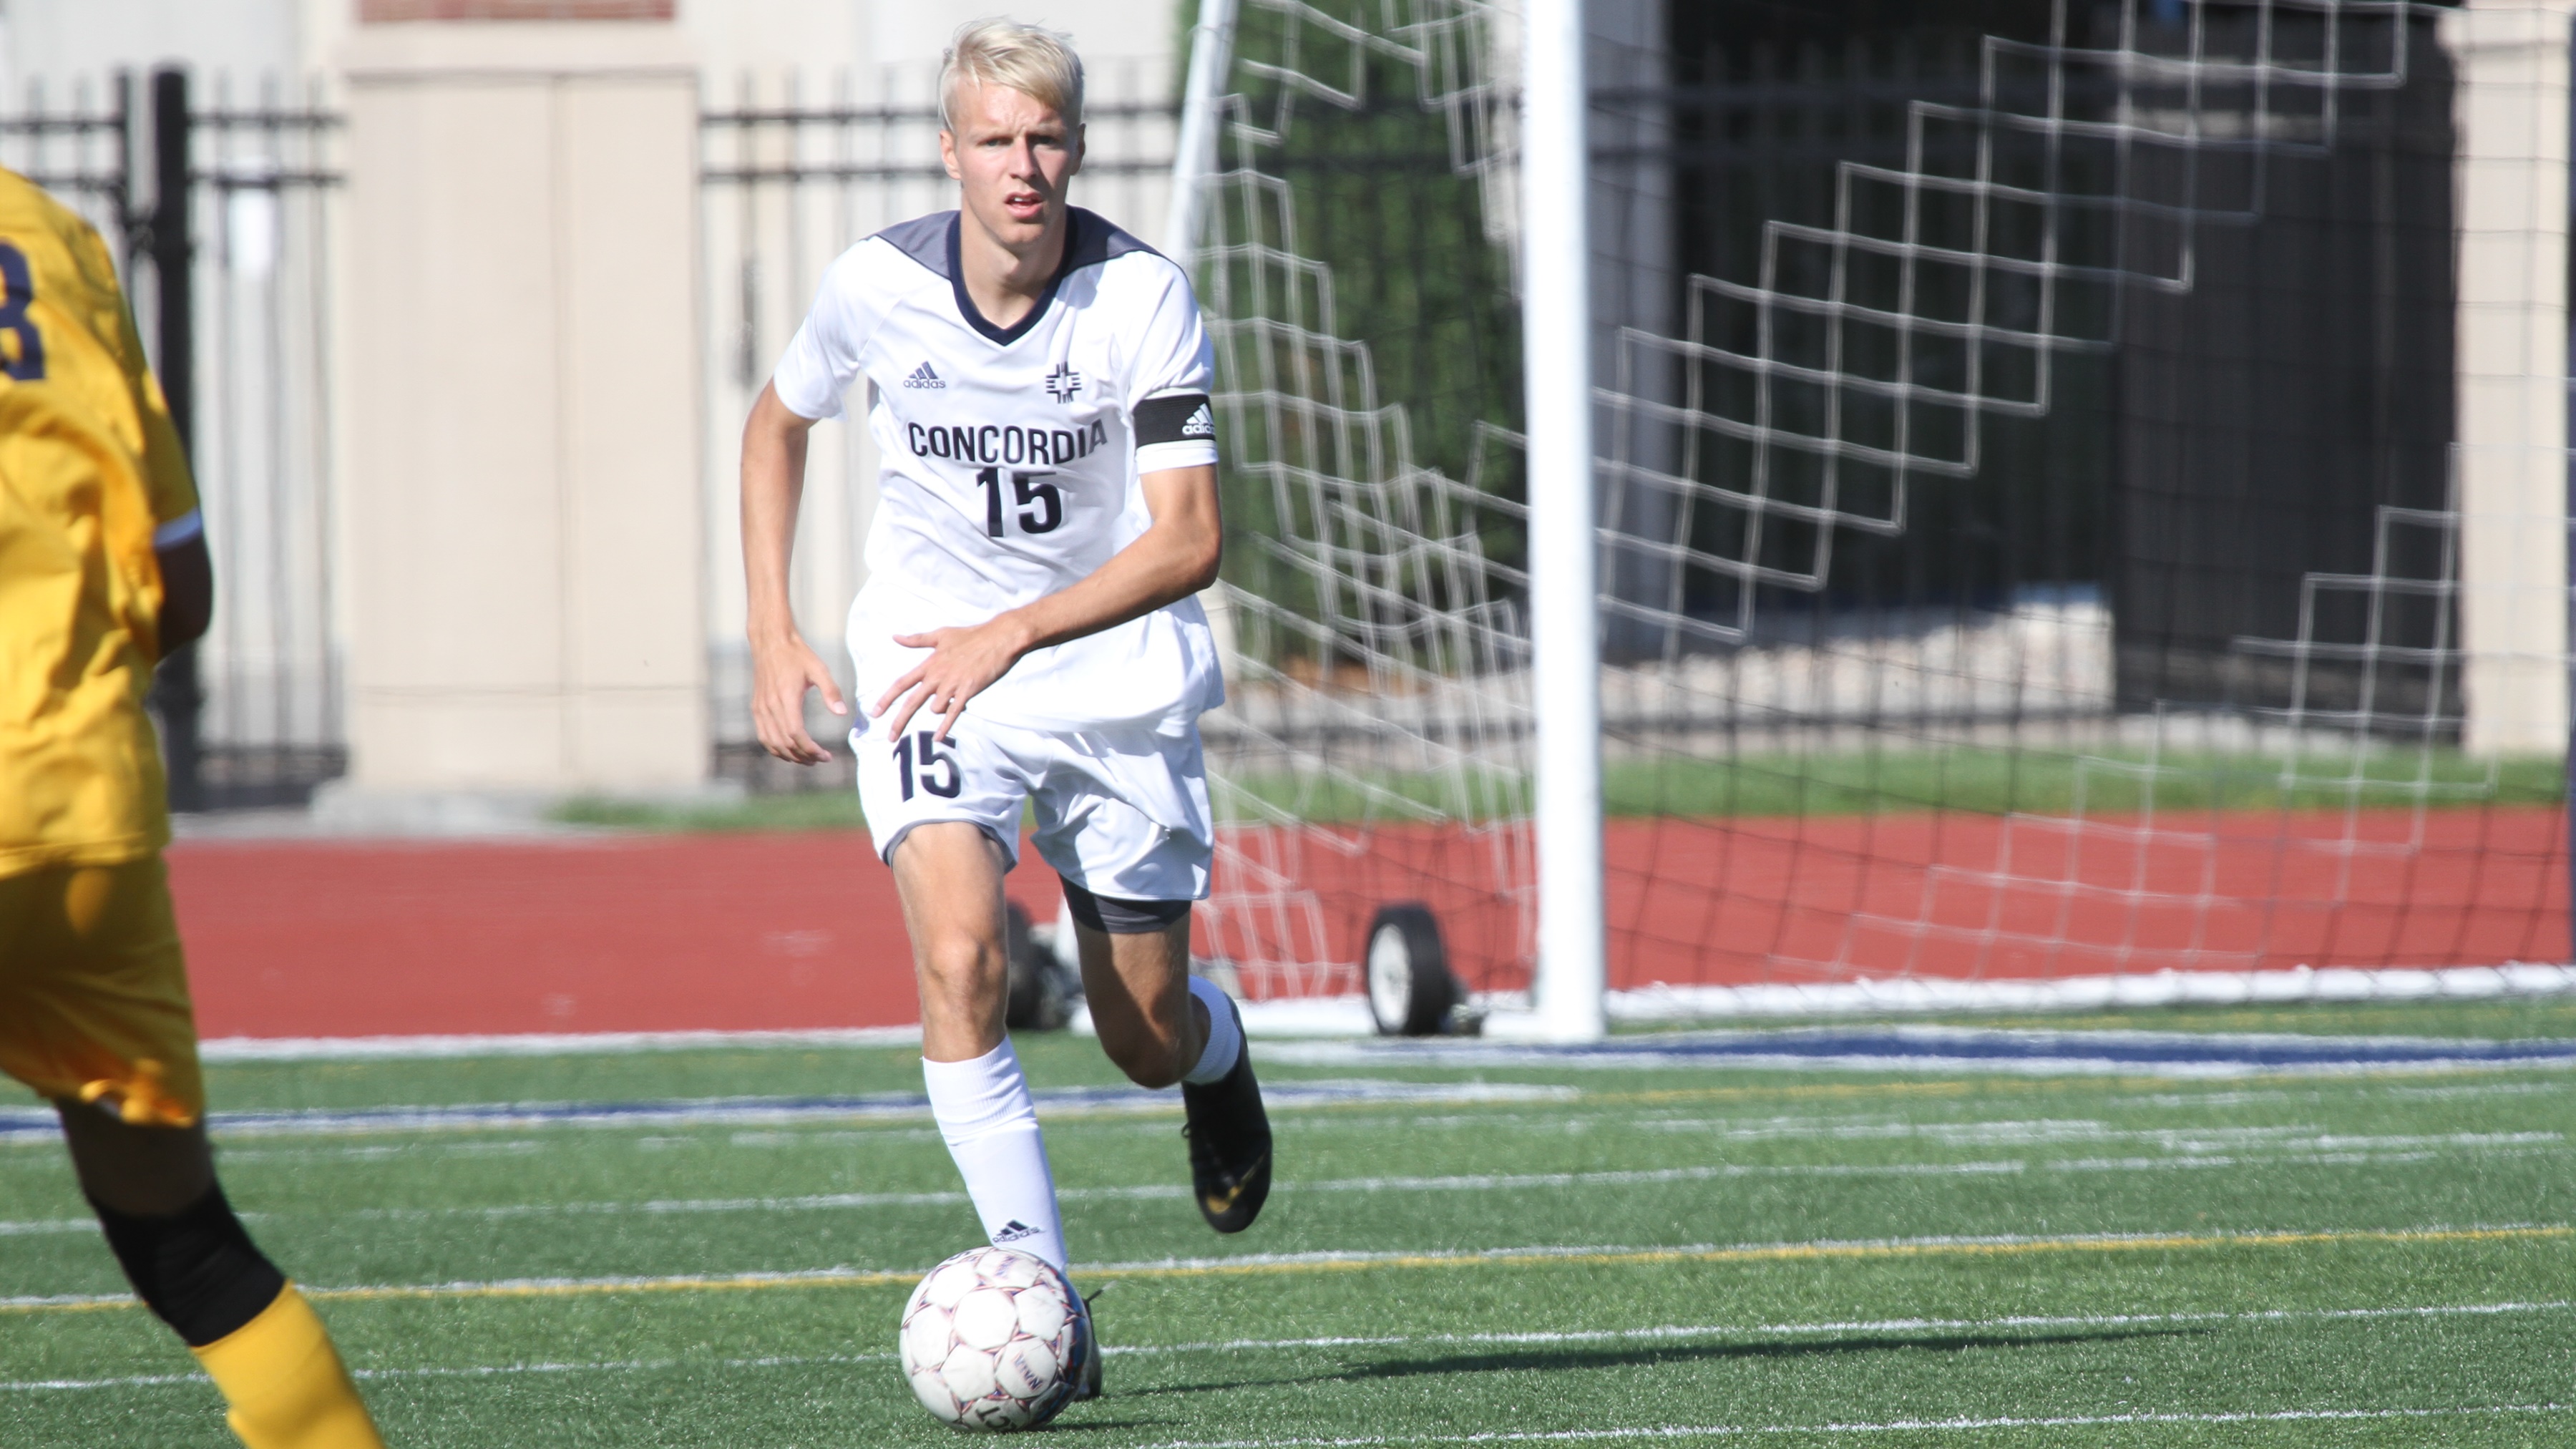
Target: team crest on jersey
{"x": 1063, "y": 383}
{"x": 922, "y": 376}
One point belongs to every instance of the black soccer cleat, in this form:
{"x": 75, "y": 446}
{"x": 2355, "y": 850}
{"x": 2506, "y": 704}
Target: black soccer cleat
{"x": 1229, "y": 1135}
{"x": 1087, "y": 1387}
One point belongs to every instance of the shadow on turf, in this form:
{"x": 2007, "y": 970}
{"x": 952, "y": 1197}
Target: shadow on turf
{"x": 1477, "y": 1363}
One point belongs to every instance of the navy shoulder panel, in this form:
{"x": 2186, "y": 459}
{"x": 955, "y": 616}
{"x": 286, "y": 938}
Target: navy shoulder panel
{"x": 925, "y": 239}
{"x": 1096, "y": 240}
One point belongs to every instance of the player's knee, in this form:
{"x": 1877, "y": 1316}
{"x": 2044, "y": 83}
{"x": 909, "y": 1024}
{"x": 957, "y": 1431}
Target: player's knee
{"x": 196, "y": 1268}
{"x": 1151, "y": 1058}
{"x": 960, "y": 970}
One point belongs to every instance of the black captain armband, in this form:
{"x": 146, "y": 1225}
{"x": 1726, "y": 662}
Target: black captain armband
{"x": 1183, "y": 417}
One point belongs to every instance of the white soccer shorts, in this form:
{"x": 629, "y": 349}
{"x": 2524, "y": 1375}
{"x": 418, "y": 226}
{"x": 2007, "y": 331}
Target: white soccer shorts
{"x": 1120, "y": 813}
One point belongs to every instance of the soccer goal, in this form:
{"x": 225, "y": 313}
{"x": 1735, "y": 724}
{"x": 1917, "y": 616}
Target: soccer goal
{"x": 2074, "y": 514}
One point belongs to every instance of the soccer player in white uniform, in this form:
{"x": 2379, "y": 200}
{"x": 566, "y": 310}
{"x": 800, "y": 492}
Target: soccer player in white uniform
{"x": 1029, "y": 632}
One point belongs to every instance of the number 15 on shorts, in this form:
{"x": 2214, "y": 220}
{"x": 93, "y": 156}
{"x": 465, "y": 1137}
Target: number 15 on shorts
{"x": 919, "y": 760}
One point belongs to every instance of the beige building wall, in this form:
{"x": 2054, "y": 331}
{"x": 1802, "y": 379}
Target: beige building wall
{"x": 524, "y": 509}
{"x": 2511, "y": 59}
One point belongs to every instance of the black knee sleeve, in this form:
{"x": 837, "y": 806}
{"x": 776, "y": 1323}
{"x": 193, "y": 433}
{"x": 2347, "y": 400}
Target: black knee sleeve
{"x": 197, "y": 1268}
{"x": 1120, "y": 917}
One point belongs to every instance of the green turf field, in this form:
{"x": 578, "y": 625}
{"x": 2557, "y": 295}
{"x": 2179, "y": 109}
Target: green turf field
{"x": 1713, "y": 1256}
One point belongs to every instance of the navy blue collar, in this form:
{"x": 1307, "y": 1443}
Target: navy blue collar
{"x": 1005, "y": 336}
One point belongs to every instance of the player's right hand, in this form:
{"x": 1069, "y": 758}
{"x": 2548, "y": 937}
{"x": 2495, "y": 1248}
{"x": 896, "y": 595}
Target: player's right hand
{"x": 781, "y": 671}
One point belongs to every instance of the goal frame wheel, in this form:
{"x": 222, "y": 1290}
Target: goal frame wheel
{"x": 1405, "y": 966}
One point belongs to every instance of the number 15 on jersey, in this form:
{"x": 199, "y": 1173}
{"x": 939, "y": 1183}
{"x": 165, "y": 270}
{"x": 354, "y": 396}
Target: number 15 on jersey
{"x": 1029, "y": 493}
{"x": 921, "y": 764}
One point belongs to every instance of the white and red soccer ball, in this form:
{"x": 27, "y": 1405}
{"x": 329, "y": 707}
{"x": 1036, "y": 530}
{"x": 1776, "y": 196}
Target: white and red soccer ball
{"x": 994, "y": 1339}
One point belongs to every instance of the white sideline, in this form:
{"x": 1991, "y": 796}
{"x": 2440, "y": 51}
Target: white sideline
{"x": 536, "y": 1044}
{"x": 1666, "y": 1333}
{"x": 2077, "y": 993}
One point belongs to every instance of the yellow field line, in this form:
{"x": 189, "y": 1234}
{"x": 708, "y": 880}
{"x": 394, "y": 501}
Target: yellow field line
{"x": 1763, "y": 1253}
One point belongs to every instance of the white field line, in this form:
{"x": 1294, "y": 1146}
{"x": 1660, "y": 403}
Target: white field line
{"x": 546, "y": 1044}
{"x": 1667, "y": 1333}
{"x": 1849, "y": 1126}
{"x": 2286, "y": 1137}
{"x": 1329, "y": 1259}
{"x": 1795, "y": 1248}
{"x": 1479, "y": 1182}
{"x": 1868, "y": 997}
{"x": 1498, "y": 1058}
{"x": 1886, "y": 1426}
{"x": 2482, "y": 1089}
{"x": 1971, "y": 1051}
{"x": 1054, "y": 1104}
{"x": 1680, "y": 1332}
{"x": 1459, "y": 1182}
{"x": 1464, "y": 1182}
{"x": 29, "y": 1135}
{"x": 1843, "y": 1127}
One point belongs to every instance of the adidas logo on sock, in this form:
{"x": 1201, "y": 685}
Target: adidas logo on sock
{"x": 1013, "y": 1231}
{"x": 922, "y": 376}
{"x": 1202, "y": 424}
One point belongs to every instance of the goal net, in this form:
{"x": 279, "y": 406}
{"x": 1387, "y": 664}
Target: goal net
{"x": 2083, "y": 497}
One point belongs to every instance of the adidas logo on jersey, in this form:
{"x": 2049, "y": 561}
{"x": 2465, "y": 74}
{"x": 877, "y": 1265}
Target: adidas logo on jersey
{"x": 922, "y": 376}
{"x": 1202, "y": 424}
{"x": 1013, "y": 1231}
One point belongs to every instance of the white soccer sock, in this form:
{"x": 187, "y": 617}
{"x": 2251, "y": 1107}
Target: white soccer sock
{"x": 991, "y": 1128}
{"x": 1224, "y": 1039}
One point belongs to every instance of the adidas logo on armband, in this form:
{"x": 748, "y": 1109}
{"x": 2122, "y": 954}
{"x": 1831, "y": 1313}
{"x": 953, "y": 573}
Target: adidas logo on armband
{"x": 922, "y": 376}
{"x": 1202, "y": 424}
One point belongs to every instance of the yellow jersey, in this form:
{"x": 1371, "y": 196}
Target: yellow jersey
{"x": 91, "y": 477}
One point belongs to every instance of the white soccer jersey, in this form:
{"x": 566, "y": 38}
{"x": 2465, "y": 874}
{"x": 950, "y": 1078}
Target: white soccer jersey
{"x": 1011, "y": 457}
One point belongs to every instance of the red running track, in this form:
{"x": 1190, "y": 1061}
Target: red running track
{"x": 663, "y": 933}
{"x": 1823, "y": 898}
{"x": 785, "y": 931}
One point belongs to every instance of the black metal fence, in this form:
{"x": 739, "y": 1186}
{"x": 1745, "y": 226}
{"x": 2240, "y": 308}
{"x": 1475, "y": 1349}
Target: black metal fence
{"x": 218, "y": 206}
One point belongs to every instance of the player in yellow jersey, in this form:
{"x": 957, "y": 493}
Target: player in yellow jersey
{"x": 103, "y": 570}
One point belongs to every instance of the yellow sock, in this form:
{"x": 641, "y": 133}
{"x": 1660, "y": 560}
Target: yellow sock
{"x": 285, "y": 1382}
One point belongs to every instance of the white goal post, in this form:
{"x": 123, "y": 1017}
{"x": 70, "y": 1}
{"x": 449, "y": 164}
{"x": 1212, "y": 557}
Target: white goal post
{"x": 1565, "y": 624}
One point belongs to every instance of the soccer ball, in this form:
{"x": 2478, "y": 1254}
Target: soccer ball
{"x": 994, "y": 1339}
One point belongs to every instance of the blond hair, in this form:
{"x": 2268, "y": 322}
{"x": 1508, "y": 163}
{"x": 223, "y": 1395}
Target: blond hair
{"x": 1037, "y": 63}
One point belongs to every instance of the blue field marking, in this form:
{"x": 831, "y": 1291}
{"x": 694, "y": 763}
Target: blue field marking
{"x": 23, "y": 1122}
{"x": 1971, "y": 1049}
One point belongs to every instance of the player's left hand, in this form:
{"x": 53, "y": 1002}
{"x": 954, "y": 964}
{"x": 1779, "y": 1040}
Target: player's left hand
{"x": 963, "y": 663}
